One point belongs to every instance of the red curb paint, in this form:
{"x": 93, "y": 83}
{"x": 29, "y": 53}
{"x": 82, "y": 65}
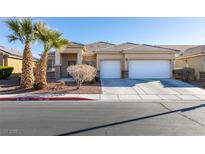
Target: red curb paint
{"x": 46, "y": 99}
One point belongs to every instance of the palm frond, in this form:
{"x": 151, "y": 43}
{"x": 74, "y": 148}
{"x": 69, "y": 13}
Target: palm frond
{"x": 27, "y": 27}
{"x": 42, "y": 33}
{"x": 12, "y": 38}
{"x": 22, "y": 29}
{"x": 57, "y": 40}
{"x": 14, "y": 25}
{"x": 60, "y": 43}
{"x": 48, "y": 37}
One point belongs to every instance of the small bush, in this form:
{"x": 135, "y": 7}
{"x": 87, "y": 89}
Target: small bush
{"x": 185, "y": 74}
{"x": 82, "y": 73}
{"x": 61, "y": 83}
{"x": 5, "y": 72}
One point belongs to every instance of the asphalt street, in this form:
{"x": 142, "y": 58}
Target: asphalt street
{"x": 102, "y": 118}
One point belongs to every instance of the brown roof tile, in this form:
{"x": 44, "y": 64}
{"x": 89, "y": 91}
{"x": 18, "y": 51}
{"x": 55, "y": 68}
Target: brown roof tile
{"x": 97, "y": 46}
{"x": 194, "y": 50}
{"x": 120, "y": 47}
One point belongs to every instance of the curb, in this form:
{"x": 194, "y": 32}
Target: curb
{"x": 46, "y": 99}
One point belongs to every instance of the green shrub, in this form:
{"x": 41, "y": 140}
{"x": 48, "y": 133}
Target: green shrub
{"x": 5, "y": 72}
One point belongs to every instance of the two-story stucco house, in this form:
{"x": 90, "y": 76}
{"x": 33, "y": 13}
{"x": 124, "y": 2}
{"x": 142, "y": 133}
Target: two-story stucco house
{"x": 126, "y": 60}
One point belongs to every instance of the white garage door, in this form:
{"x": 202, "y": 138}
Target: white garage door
{"x": 139, "y": 69}
{"x": 110, "y": 69}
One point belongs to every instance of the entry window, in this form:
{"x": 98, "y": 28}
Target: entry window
{"x": 71, "y": 62}
{"x": 50, "y": 65}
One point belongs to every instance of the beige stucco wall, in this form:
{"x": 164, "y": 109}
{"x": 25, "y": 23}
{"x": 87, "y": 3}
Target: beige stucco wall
{"x": 1, "y": 59}
{"x": 64, "y": 62}
{"x": 78, "y": 51}
{"x": 71, "y": 50}
{"x": 16, "y": 63}
{"x": 194, "y": 62}
{"x": 89, "y": 57}
{"x": 101, "y": 57}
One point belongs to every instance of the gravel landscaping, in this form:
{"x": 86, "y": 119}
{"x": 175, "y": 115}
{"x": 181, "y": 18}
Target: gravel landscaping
{"x": 11, "y": 86}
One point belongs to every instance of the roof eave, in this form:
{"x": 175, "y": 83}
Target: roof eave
{"x": 99, "y": 52}
{"x": 189, "y": 56}
{"x": 148, "y": 51}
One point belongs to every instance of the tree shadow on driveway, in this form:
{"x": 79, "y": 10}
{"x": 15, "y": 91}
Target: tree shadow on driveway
{"x": 131, "y": 120}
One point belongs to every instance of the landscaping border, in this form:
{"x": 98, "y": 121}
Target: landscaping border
{"x": 46, "y": 99}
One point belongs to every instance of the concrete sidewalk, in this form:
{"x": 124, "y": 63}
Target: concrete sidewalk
{"x": 115, "y": 97}
{"x": 133, "y": 90}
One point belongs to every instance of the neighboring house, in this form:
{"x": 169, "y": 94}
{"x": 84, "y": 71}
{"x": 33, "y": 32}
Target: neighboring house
{"x": 126, "y": 60}
{"x": 195, "y": 58}
{"x": 12, "y": 57}
{"x": 182, "y": 48}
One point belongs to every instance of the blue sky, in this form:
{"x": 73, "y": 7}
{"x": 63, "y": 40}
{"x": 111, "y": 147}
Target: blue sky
{"x": 117, "y": 30}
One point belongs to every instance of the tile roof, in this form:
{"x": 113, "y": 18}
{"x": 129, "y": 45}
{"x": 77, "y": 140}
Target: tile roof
{"x": 76, "y": 44}
{"x": 120, "y": 47}
{"x": 194, "y": 50}
{"x": 12, "y": 52}
{"x": 182, "y": 48}
{"x": 146, "y": 47}
{"x": 128, "y": 46}
{"x": 97, "y": 46}
{"x": 73, "y": 44}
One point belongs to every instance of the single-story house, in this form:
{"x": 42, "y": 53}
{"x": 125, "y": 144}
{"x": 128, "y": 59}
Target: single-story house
{"x": 126, "y": 60}
{"x": 194, "y": 58}
{"x": 12, "y": 57}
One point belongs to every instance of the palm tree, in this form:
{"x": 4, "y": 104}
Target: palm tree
{"x": 23, "y": 31}
{"x": 51, "y": 39}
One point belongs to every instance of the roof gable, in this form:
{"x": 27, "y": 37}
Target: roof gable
{"x": 195, "y": 50}
{"x": 13, "y": 52}
{"x": 97, "y": 46}
{"x": 120, "y": 47}
{"x": 146, "y": 47}
{"x": 76, "y": 44}
{"x": 10, "y": 51}
{"x": 178, "y": 47}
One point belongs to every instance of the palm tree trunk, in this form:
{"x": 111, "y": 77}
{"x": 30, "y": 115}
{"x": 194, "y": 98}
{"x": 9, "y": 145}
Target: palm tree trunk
{"x": 43, "y": 70}
{"x": 36, "y": 75}
{"x": 27, "y": 67}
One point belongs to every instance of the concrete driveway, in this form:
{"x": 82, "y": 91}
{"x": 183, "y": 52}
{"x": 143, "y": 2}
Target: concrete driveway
{"x": 143, "y": 89}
